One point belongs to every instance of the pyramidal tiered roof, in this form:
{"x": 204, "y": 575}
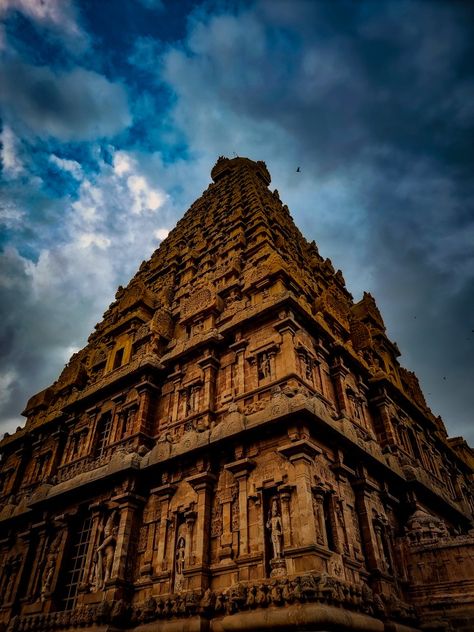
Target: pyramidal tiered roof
{"x": 237, "y": 433}
{"x": 237, "y": 236}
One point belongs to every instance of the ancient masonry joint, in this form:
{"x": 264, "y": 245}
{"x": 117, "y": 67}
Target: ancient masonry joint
{"x": 236, "y": 448}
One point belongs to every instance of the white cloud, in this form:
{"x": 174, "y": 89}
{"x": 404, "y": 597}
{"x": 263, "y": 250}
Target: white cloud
{"x": 10, "y": 215}
{"x": 58, "y": 16}
{"x": 161, "y": 233}
{"x": 122, "y": 163}
{"x": 90, "y": 239}
{"x": 11, "y": 163}
{"x": 71, "y": 166}
{"x": 50, "y": 305}
{"x": 70, "y": 106}
{"x": 145, "y": 197}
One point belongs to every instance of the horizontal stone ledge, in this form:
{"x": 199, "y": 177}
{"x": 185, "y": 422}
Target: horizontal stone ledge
{"x": 314, "y": 617}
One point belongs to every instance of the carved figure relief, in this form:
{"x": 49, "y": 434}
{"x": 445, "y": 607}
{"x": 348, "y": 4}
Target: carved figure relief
{"x": 180, "y": 558}
{"x": 264, "y": 366}
{"x": 9, "y": 576}
{"x": 275, "y": 528}
{"x": 216, "y": 517}
{"x": 50, "y": 566}
{"x": 105, "y": 553}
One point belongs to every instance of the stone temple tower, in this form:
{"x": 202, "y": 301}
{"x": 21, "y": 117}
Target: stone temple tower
{"x": 236, "y": 448}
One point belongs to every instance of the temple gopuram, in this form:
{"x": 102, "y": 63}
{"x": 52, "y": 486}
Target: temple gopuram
{"x": 236, "y": 448}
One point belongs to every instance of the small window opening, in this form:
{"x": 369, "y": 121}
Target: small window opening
{"x": 118, "y": 359}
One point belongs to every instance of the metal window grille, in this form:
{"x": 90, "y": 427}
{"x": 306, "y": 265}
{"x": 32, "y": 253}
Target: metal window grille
{"x": 105, "y": 426}
{"x": 74, "y": 571}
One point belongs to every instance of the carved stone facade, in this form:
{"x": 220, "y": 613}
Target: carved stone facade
{"x": 236, "y": 448}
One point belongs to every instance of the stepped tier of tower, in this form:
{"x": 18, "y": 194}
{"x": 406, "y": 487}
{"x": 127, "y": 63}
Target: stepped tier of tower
{"x": 237, "y": 433}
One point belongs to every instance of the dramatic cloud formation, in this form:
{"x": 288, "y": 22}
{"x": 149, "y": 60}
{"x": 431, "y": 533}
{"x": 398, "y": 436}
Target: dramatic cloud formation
{"x": 372, "y": 100}
{"x": 50, "y": 305}
{"x": 77, "y": 105}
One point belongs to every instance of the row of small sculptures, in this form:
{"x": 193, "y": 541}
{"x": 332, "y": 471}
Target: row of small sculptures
{"x": 275, "y": 592}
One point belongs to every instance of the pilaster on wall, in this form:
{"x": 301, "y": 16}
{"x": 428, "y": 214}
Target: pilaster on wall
{"x": 209, "y": 364}
{"x": 152, "y": 522}
{"x": 128, "y": 505}
{"x": 147, "y": 391}
{"x": 383, "y": 422}
{"x": 339, "y": 373}
{"x": 241, "y": 470}
{"x": 239, "y": 382}
{"x": 164, "y": 493}
{"x": 370, "y": 534}
{"x": 203, "y": 484}
{"x": 287, "y": 327}
{"x": 301, "y": 454}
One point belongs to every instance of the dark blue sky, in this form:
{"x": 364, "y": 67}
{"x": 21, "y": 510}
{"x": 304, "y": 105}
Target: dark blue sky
{"x": 114, "y": 111}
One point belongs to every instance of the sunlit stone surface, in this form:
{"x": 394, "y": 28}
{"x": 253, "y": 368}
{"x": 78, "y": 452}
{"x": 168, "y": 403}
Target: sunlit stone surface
{"x": 236, "y": 448}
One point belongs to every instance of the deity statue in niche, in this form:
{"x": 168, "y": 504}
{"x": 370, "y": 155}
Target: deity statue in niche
{"x": 264, "y": 366}
{"x": 180, "y": 557}
{"x": 105, "y": 553}
{"x": 274, "y": 525}
{"x": 50, "y": 567}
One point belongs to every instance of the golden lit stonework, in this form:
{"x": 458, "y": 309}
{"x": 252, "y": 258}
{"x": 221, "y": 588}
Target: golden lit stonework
{"x": 236, "y": 448}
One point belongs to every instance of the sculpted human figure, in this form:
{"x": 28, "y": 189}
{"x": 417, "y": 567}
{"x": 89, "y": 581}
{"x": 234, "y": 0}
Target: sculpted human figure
{"x": 50, "y": 567}
{"x": 276, "y": 530}
{"x": 105, "y": 553}
{"x": 180, "y": 555}
{"x": 265, "y": 367}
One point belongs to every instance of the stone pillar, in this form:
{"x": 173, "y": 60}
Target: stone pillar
{"x": 127, "y": 506}
{"x": 176, "y": 377}
{"x": 209, "y": 365}
{"x": 383, "y": 424}
{"x": 87, "y": 578}
{"x": 239, "y": 371}
{"x": 318, "y": 504}
{"x": 322, "y": 358}
{"x": 285, "y": 497}
{"x": 202, "y": 484}
{"x": 152, "y": 520}
{"x": 378, "y": 539}
{"x": 146, "y": 389}
{"x": 190, "y": 519}
{"x": 15, "y": 567}
{"x": 338, "y": 374}
{"x": 226, "y": 498}
{"x": 241, "y": 470}
{"x": 92, "y": 414}
{"x": 363, "y": 492}
{"x": 34, "y": 583}
{"x": 64, "y": 524}
{"x": 165, "y": 493}
{"x": 23, "y": 455}
{"x": 117, "y": 416}
{"x": 344, "y": 519}
{"x": 60, "y": 437}
{"x": 287, "y": 327}
{"x": 23, "y": 568}
{"x": 346, "y": 514}
{"x": 301, "y": 454}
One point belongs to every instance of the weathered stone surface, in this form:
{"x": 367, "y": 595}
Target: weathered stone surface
{"x": 236, "y": 448}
